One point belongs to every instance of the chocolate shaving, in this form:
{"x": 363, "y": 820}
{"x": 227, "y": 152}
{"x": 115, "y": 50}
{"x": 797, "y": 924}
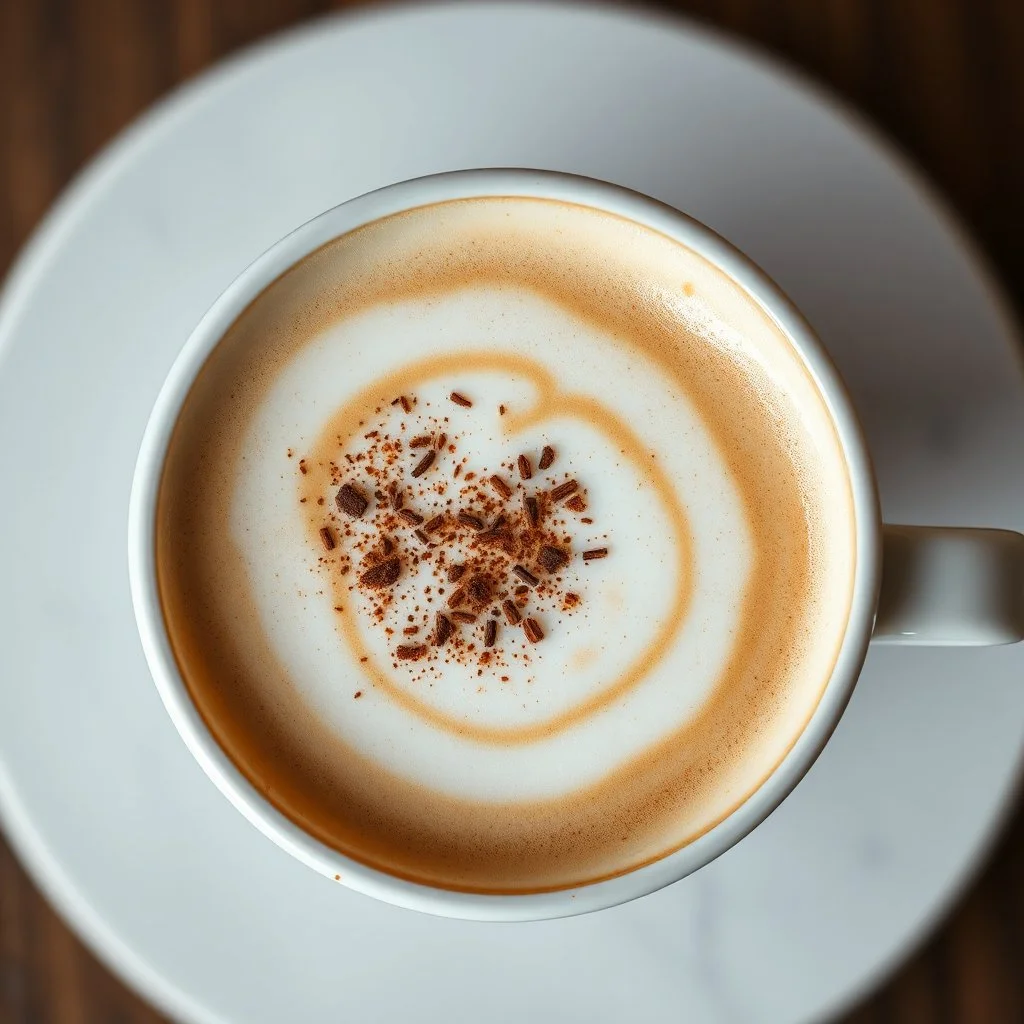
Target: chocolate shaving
{"x": 531, "y": 627}
{"x": 468, "y": 519}
{"x": 425, "y": 463}
{"x": 411, "y": 630}
{"x": 571, "y": 600}
{"x": 552, "y": 559}
{"x": 357, "y": 694}
{"x": 463, "y": 616}
{"x": 397, "y": 496}
{"x": 383, "y": 574}
{"x": 460, "y": 400}
{"x": 525, "y": 471}
{"x": 423, "y": 441}
{"x": 511, "y": 613}
{"x": 412, "y": 518}
{"x": 327, "y": 536}
{"x": 479, "y": 590}
{"x": 490, "y": 633}
{"x": 532, "y": 507}
{"x": 456, "y": 598}
{"x": 525, "y": 575}
{"x": 436, "y": 523}
{"x": 302, "y": 467}
{"x": 564, "y": 490}
{"x": 403, "y": 402}
{"x": 500, "y": 486}
{"x": 576, "y": 503}
{"x": 589, "y": 556}
{"x": 409, "y": 653}
{"x": 455, "y": 573}
{"x": 442, "y": 440}
{"x": 547, "y": 456}
{"x": 379, "y": 495}
{"x": 443, "y": 629}
{"x": 422, "y": 537}
{"x": 350, "y": 501}
{"x": 387, "y": 545}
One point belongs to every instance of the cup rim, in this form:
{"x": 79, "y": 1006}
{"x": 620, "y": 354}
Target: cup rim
{"x": 520, "y": 183}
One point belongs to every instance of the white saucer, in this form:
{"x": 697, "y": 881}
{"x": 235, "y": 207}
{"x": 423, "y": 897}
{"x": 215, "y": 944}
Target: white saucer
{"x": 172, "y": 887}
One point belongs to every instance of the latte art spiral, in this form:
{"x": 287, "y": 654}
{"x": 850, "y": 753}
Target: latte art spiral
{"x": 505, "y": 545}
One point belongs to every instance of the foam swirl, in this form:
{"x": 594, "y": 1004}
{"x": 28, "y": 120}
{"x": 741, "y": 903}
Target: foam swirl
{"x": 550, "y": 402}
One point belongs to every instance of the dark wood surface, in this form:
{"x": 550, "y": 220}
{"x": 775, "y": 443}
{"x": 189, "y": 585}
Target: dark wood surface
{"x": 945, "y": 78}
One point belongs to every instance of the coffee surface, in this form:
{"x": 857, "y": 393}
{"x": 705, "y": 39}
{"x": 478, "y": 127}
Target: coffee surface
{"x": 505, "y": 545}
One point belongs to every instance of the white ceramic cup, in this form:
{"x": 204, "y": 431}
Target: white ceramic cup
{"x": 916, "y": 585}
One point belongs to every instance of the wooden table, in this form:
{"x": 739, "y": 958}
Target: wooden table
{"x": 944, "y": 77}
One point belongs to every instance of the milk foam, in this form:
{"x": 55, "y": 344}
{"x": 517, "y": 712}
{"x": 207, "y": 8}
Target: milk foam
{"x": 702, "y": 643}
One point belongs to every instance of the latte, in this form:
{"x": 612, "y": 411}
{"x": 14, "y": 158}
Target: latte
{"x": 505, "y": 545}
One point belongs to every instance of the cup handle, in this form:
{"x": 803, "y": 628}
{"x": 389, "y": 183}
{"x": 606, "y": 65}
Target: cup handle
{"x": 950, "y": 587}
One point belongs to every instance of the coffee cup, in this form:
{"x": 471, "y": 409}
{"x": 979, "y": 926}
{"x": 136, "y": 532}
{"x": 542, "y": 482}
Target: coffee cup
{"x": 896, "y": 584}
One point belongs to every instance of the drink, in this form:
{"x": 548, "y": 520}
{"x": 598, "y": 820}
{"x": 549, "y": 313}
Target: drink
{"x": 623, "y": 703}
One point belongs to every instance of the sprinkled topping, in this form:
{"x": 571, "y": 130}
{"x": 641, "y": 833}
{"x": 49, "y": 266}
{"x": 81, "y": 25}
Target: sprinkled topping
{"x": 425, "y": 463}
{"x": 468, "y": 554}
{"x": 500, "y": 486}
{"x": 552, "y": 559}
{"x": 470, "y": 520}
{"x": 383, "y": 574}
{"x": 511, "y": 612}
{"x": 525, "y": 575}
{"x": 564, "y": 490}
{"x": 350, "y": 501}
{"x": 443, "y": 629}
{"x": 479, "y": 590}
{"x": 532, "y": 507}
{"x": 409, "y": 653}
